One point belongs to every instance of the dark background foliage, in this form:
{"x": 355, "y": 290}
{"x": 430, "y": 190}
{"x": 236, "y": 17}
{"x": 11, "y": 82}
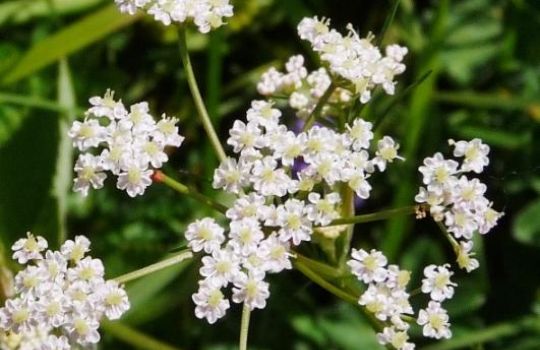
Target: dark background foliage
{"x": 484, "y": 60}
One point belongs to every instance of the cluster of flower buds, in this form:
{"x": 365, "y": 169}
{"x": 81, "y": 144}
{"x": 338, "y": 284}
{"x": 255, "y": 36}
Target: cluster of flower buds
{"x": 353, "y": 58}
{"x": 61, "y": 296}
{"x": 130, "y": 144}
{"x": 206, "y": 14}
{"x": 302, "y": 89}
{"x": 456, "y": 200}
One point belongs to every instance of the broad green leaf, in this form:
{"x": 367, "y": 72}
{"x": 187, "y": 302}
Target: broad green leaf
{"x": 26, "y": 173}
{"x": 64, "y": 161}
{"x": 69, "y": 40}
{"x": 526, "y": 227}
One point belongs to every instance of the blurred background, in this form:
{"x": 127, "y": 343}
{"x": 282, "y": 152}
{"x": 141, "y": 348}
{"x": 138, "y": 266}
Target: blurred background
{"x": 484, "y": 60}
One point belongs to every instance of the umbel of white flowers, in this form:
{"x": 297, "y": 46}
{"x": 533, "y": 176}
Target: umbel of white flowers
{"x": 206, "y": 14}
{"x": 61, "y": 296}
{"x": 129, "y": 144}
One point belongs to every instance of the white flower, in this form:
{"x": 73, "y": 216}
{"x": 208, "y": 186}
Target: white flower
{"x": 294, "y": 223}
{"x": 268, "y": 179}
{"x": 89, "y": 173}
{"x": 437, "y": 282}
{"x": 115, "y": 300}
{"x": 17, "y": 315}
{"x": 88, "y": 270}
{"x": 245, "y": 236}
{"x": 83, "y": 329}
{"x": 29, "y": 248}
{"x": 360, "y": 133}
{"x": 135, "y": 177}
{"x": 323, "y": 210}
{"x": 275, "y": 253}
{"x": 251, "y": 289}
{"x": 368, "y": 267}
{"x": 398, "y": 339}
{"x": 465, "y": 255}
{"x": 166, "y": 132}
{"x": 262, "y": 114}
{"x": 76, "y": 249}
{"x": 386, "y": 152}
{"x": 222, "y": 267}
{"x": 247, "y": 206}
{"x": 475, "y": 153}
{"x": 205, "y": 235}
{"x": 245, "y": 136}
{"x": 435, "y": 321}
{"x": 87, "y": 134}
{"x": 437, "y": 170}
{"x": 231, "y": 175}
{"x": 210, "y": 301}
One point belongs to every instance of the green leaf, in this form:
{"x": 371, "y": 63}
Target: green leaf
{"x": 69, "y": 40}
{"x": 526, "y": 227}
{"x": 64, "y": 161}
{"x": 28, "y": 165}
{"x": 24, "y": 10}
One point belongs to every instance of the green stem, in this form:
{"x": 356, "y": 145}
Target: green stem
{"x": 183, "y": 189}
{"x": 244, "y": 327}
{"x": 449, "y": 237}
{"x": 313, "y": 276}
{"x": 199, "y": 104}
{"x": 186, "y": 254}
{"x": 318, "y": 108}
{"x": 134, "y": 337}
{"x": 347, "y": 210}
{"x": 318, "y": 266}
{"x": 380, "y": 215}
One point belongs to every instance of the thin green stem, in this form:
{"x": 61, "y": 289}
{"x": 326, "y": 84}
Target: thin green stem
{"x": 244, "y": 327}
{"x": 347, "y": 210}
{"x": 318, "y": 108}
{"x": 380, "y": 215}
{"x": 134, "y": 337}
{"x": 313, "y": 276}
{"x": 186, "y": 254}
{"x": 320, "y": 267}
{"x": 449, "y": 237}
{"x": 183, "y": 189}
{"x": 196, "y": 94}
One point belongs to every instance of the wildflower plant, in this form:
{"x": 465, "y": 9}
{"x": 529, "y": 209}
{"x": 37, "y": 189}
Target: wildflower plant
{"x": 292, "y": 185}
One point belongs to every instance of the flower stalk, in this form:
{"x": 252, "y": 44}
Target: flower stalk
{"x": 197, "y": 98}
{"x": 377, "y": 216}
{"x": 159, "y": 176}
{"x": 244, "y": 327}
{"x": 183, "y": 255}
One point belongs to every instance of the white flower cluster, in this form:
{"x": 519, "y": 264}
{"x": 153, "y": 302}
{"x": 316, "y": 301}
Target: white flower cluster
{"x": 456, "y": 200}
{"x": 302, "y": 89}
{"x": 206, "y": 14}
{"x": 386, "y": 297}
{"x": 287, "y": 184}
{"x": 353, "y": 58}
{"x": 131, "y": 145}
{"x": 61, "y": 296}
{"x": 274, "y": 161}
